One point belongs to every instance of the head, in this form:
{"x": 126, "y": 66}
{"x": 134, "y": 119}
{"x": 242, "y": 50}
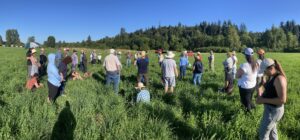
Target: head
{"x": 67, "y": 60}
{"x": 272, "y": 67}
{"x": 211, "y": 52}
{"x": 197, "y": 58}
{"x": 33, "y": 51}
{"x": 233, "y": 53}
{"x": 170, "y": 55}
{"x": 35, "y": 75}
{"x": 248, "y": 52}
{"x": 140, "y": 86}
{"x": 74, "y": 51}
{"x": 42, "y": 50}
{"x": 111, "y": 51}
{"x": 51, "y": 58}
{"x": 228, "y": 54}
{"x": 261, "y": 54}
{"x": 143, "y": 54}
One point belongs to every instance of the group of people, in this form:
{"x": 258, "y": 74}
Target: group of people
{"x": 263, "y": 75}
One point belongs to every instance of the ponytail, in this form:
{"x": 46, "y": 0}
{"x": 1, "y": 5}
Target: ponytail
{"x": 278, "y": 67}
{"x": 251, "y": 61}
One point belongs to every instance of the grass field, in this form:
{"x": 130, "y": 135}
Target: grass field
{"x": 95, "y": 112}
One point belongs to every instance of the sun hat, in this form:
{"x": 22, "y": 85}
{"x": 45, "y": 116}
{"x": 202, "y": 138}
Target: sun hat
{"x": 261, "y": 51}
{"x": 266, "y": 63}
{"x": 33, "y": 51}
{"x": 170, "y": 54}
{"x": 111, "y": 51}
{"x": 139, "y": 85}
{"x": 248, "y": 51}
{"x": 233, "y": 52}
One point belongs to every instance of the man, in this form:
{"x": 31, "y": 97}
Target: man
{"x": 235, "y": 61}
{"x": 142, "y": 64}
{"x": 143, "y": 95}
{"x": 228, "y": 65}
{"x": 43, "y": 61}
{"x": 169, "y": 71}
{"x": 74, "y": 60}
{"x": 58, "y": 57}
{"x": 128, "y": 60}
{"x": 183, "y": 64}
{"x": 112, "y": 67}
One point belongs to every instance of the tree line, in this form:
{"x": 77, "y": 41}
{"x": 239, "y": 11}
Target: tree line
{"x": 219, "y": 36}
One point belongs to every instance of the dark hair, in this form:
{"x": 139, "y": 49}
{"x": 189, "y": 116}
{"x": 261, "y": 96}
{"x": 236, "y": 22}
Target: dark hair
{"x": 67, "y": 60}
{"x": 278, "y": 67}
{"x": 251, "y": 61}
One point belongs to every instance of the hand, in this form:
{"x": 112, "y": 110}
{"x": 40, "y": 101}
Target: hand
{"x": 259, "y": 100}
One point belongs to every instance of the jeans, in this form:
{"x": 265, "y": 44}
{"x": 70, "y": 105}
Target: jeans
{"x": 197, "y": 78}
{"x": 271, "y": 116}
{"x": 182, "y": 72}
{"x": 128, "y": 62}
{"x": 246, "y": 98}
{"x": 115, "y": 78}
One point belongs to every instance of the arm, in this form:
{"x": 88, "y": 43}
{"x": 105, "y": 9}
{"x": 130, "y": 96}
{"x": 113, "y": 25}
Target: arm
{"x": 239, "y": 73}
{"x": 280, "y": 86}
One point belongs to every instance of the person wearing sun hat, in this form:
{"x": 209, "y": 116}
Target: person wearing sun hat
{"x": 246, "y": 75}
{"x": 142, "y": 65}
{"x": 35, "y": 64}
{"x": 169, "y": 71}
{"x": 273, "y": 96}
{"x": 143, "y": 95}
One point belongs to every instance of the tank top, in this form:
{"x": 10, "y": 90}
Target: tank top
{"x": 270, "y": 90}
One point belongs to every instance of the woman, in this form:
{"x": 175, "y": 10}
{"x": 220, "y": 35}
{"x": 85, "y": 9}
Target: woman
{"x": 183, "y": 64}
{"x": 54, "y": 78}
{"x": 273, "y": 97}
{"x": 197, "y": 70}
{"x": 247, "y": 74}
{"x": 211, "y": 60}
{"x": 35, "y": 64}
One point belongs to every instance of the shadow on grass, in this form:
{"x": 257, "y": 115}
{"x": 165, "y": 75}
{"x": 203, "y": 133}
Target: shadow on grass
{"x": 99, "y": 76}
{"x": 65, "y": 124}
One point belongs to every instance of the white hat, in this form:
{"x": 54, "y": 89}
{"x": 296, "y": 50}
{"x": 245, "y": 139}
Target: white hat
{"x": 170, "y": 54}
{"x": 266, "y": 63}
{"x": 139, "y": 85}
{"x": 111, "y": 51}
{"x": 248, "y": 51}
{"x": 33, "y": 51}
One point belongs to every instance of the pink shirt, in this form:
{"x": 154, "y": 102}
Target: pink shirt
{"x": 111, "y": 63}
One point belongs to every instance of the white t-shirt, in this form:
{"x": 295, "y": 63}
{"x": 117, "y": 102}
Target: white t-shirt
{"x": 228, "y": 63}
{"x": 248, "y": 79}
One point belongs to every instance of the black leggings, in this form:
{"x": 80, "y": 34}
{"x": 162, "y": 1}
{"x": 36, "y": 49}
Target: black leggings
{"x": 52, "y": 91}
{"x": 246, "y": 97}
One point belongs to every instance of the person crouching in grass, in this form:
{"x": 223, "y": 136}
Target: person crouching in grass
{"x": 33, "y": 83}
{"x": 143, "y": 95}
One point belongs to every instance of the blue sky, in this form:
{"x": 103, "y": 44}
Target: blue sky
{"x": 74, "y": 20}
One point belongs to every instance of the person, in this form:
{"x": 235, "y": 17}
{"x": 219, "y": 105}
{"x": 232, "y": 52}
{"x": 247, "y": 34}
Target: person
{"x": 169, "y": 71}
{"x": 66, "y": 52}
{"x": 143, "y": 95}
{"x": 247, "y": 74}
{"x": 74, "y": 60}
{"x": 99, "y": 58}
{"x": 228, "y": 83}
{"x": 112, "y": 67}
{"x": 63, "y": 69}
{"x": 273, "y": 94}
{"x": 235, "y": 61}
{"x": 93, "y": 57}
{"x": 58, "y": 57}
{"x": 197, "y": 70}
{"x": 76, "y": 76}
{"x": 160, "y": 58}
{"x": 142, "y": 64}
{"x": 261, "y": 57}
{"x": 29, "y": 64}
{"x": 84, "y": 62}
{"x": 54, "y": 79}
{"x": 43, "y": 61}
{"x": 119, "y": 55}
{"x": 183, "y": 64}
{"x": 128, "y": 60}
{"x": 35, "y": 64}
{"x": 211, "y": 60}
{"x": 136, "y": 57}
{"x": 33, "y": 83}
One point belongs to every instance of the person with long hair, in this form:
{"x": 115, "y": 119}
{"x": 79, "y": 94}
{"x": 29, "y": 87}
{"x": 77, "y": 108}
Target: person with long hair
{"x": 273, "y": 96}
{"x": 247, "y": 74}
{"x": 54, "y": 79}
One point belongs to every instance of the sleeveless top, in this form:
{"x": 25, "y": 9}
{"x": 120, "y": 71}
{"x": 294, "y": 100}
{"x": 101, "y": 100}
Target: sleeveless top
{"x": 270, "y": 90}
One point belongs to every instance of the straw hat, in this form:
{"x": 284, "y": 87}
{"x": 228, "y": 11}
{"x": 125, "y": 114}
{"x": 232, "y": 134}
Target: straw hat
{"x": 170, "y": 54}
{"x": 33, "y": 51}
{"x": 111, "y": 51}
{"x": 139, "y": 85}
{"x": 261, "y": 51}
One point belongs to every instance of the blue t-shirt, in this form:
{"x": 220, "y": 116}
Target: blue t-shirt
{"x": 142, "y": 65}
{"x": 183, "y": 61}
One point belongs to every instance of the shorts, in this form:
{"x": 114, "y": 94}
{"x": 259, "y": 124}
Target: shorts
{"x": 169, "y": 81}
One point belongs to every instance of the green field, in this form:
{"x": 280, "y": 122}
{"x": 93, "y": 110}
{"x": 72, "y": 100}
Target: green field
{"x": 97, "y": 113}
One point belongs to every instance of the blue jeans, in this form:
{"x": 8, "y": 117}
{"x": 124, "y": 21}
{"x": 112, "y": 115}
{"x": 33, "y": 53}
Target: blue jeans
{"x": 197, "y": 78}
{"x": 128, "y": 62}
{"x": 115, "y": 78}
{"x": 182, "y": 71}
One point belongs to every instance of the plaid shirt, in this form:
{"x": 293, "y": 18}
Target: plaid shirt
{"x": 143, "y": 96}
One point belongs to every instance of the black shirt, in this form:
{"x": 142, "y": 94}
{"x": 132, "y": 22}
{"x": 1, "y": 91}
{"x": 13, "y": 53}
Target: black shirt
{"x": 198, "y": 67}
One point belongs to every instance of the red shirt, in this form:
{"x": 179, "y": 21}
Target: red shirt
{"x": 31, "y": 82}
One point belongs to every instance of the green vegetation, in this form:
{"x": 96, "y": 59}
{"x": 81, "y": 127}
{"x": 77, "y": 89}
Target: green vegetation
{"x": 90, "y": 111}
